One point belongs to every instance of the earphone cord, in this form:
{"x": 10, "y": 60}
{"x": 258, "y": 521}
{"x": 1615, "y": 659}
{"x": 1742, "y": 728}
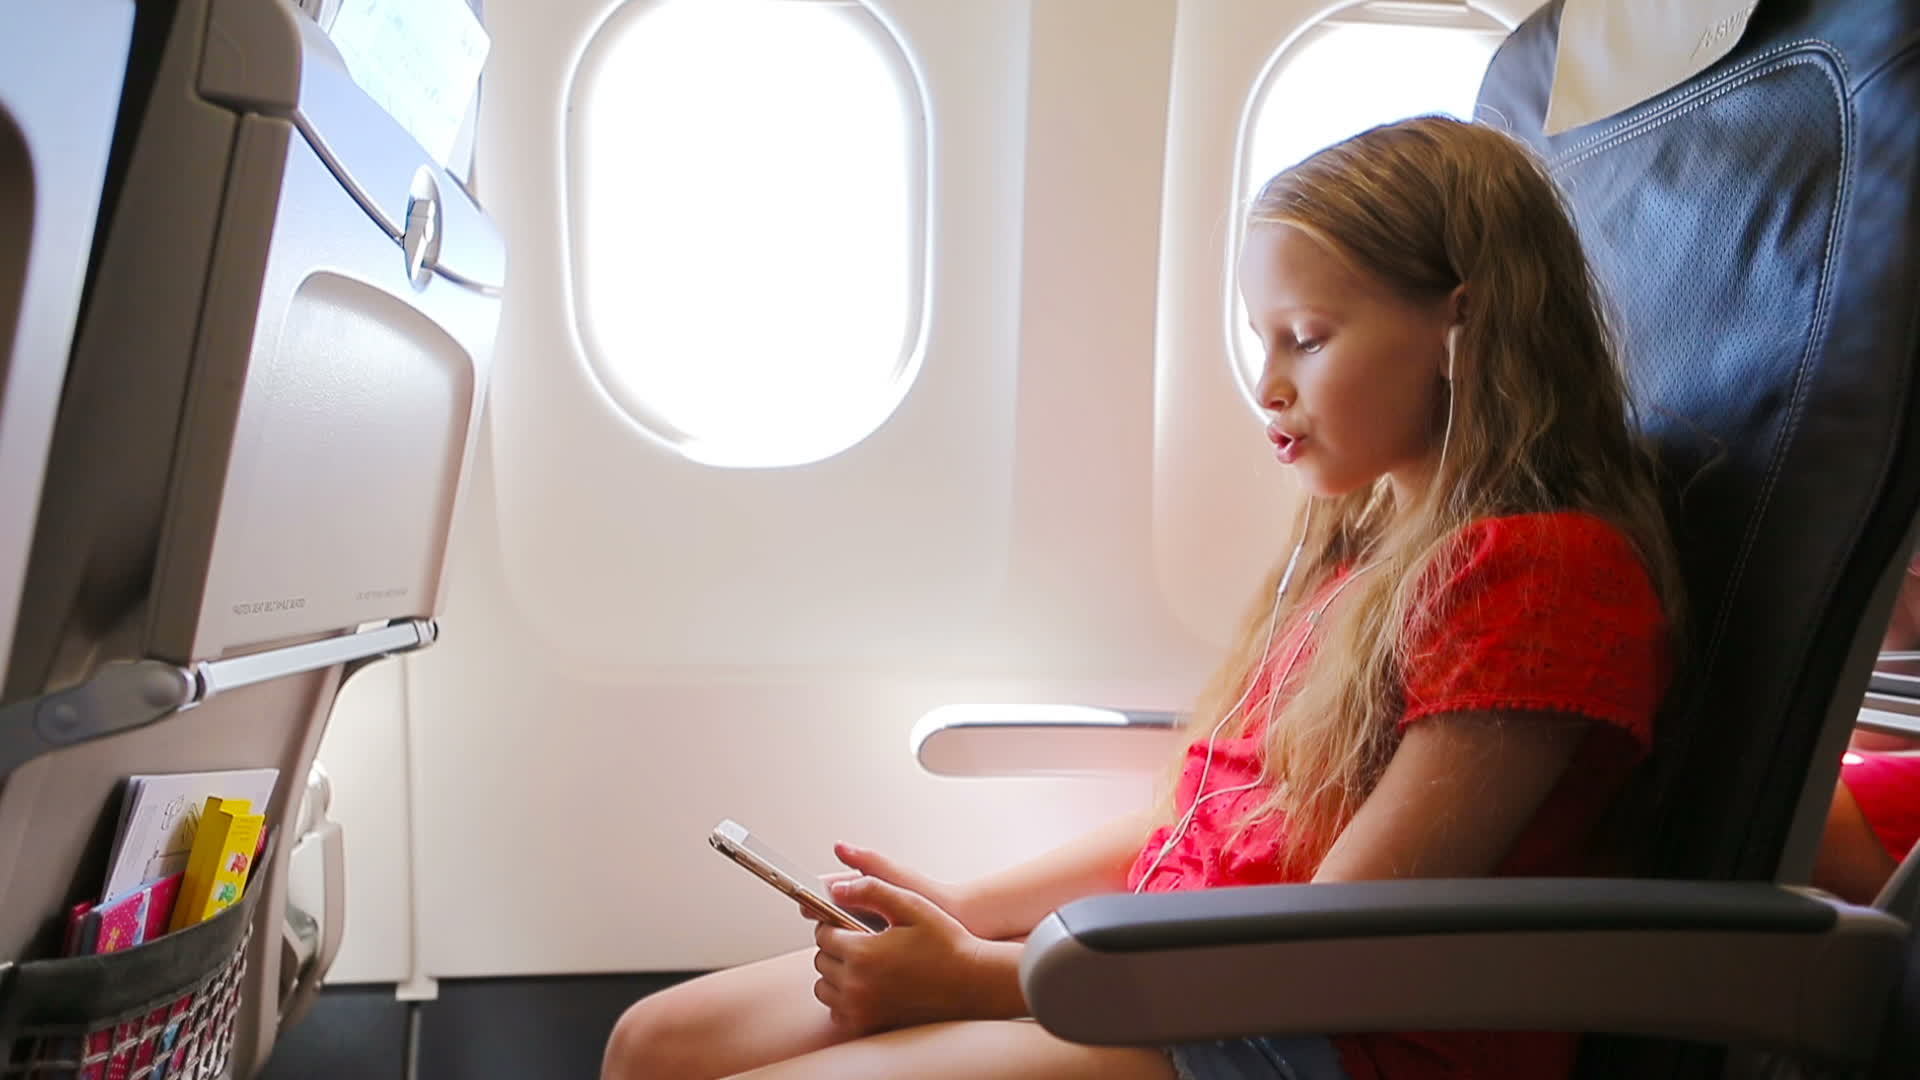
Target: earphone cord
{"x": 1453, "y": 343}
{"x": 1200, "y": 792}
{"x": 1180, "y": 827}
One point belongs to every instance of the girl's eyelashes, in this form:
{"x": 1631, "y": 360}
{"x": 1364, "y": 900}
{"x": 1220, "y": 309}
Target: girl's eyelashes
{"x": 1304, "y": 342}
{"x": 1300, "y": 343}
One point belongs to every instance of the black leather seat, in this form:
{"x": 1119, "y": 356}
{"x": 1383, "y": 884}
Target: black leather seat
{"x": 1758, "y": 230}
{"x": 1757, "y": 227}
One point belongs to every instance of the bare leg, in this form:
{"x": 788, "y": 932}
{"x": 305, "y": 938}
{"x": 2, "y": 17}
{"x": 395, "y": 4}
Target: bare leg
{"x": 970, "y": 1050}
{"x": 1851, "y": 863}
{"x": 721, "y": 1024}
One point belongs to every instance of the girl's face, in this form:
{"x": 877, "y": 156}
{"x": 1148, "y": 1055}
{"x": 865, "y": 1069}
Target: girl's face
{"x": 1354, "y": 381}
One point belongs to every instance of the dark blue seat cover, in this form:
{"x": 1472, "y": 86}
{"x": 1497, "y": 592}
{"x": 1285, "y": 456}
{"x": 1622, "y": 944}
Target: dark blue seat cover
{"x": 1756, "y": 228}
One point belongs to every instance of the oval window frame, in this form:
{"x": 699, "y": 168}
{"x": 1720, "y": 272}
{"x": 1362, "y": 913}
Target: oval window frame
{"x": 891, "y": 48}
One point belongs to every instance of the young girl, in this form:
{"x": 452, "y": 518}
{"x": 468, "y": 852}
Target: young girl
{"x": 1451, "y": 675}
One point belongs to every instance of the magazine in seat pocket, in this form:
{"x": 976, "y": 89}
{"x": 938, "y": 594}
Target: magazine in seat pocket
{"x": 163, "y": 1009}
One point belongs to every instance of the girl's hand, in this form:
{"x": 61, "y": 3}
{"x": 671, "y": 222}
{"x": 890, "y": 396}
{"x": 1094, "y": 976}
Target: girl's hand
{"x": 924, "y": 967}
{"x": 863, "y": 862}
{"x": 946, "y": 897}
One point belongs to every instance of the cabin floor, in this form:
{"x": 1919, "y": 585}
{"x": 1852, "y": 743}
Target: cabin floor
{"x": 478, "y": 1029}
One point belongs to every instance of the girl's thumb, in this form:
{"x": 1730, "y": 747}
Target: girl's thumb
{"x": 900, "y": 906}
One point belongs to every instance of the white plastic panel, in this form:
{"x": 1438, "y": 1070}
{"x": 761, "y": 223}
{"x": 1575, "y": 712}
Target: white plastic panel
{"x": 61, "y": 69}
{"x": 895, "y": 547}
{"x": 1511, "y": 12}
{"x": 534, "y": 788}
{"x": 636, "y": 647}
{"x": 1042, "y": 740}
{"x": 365, "y": 754}
{"x": 359, "y": 417}
{"x": 350, "y": 412}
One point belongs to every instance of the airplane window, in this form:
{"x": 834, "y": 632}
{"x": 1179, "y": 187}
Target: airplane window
{"x": 1340, "y": 78}
{"x": 748, "y": 227}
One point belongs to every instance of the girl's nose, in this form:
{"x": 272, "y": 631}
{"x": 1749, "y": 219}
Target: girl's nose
{"x": 1275, "y": 392}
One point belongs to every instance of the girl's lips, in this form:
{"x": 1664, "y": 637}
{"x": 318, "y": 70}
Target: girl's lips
{"x": 1286, "y": 448}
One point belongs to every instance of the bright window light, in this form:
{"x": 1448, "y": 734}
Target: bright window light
{"x": 1339, "y": 79}
{"x": 749, "y": 224}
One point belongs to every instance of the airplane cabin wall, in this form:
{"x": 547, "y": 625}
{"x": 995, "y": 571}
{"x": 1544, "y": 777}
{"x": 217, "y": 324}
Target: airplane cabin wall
{"x": 1072, "y": 503}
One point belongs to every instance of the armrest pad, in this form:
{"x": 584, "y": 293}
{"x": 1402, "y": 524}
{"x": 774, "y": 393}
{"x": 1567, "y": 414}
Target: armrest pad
{"x": 1721, "y": 962}
{"x": 1122, "y": 923}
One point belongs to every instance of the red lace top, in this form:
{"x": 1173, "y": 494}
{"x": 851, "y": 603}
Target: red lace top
{"x": 1547, "y": 613}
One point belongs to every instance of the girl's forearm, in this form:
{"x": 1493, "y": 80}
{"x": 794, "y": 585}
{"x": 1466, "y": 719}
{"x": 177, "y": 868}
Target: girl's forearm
{"x": 1008, "y": 904}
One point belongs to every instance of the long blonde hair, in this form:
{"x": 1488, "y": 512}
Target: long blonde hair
{"x": 1540, "y": 421}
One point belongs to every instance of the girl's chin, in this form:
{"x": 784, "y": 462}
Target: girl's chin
{"x": 1317, "y": 483}
{"x": 1321, "y": 486}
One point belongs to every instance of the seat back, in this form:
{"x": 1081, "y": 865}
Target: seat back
{"x": 1758, "y": 230}
{"x": 272, "y": 399}
{"x": 60, "y": 79}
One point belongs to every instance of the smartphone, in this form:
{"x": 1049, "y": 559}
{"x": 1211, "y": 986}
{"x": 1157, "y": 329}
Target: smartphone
{"x": 736, "y": 843}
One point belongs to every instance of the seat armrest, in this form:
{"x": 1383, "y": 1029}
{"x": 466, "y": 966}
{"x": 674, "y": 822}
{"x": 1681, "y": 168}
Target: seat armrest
{"x": 1735, "y": 963}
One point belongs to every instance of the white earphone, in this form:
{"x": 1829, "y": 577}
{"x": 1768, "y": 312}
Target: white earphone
{"x": 1453, "y": 345}
{"x": 1200, "y": 792}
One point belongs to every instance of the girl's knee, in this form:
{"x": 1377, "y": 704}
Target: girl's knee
{"x": 648, "y": 1043}
{"x": 720, "y": 1024}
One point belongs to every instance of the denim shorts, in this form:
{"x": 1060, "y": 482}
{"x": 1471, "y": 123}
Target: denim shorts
{"x": 1264, "y": 1057}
